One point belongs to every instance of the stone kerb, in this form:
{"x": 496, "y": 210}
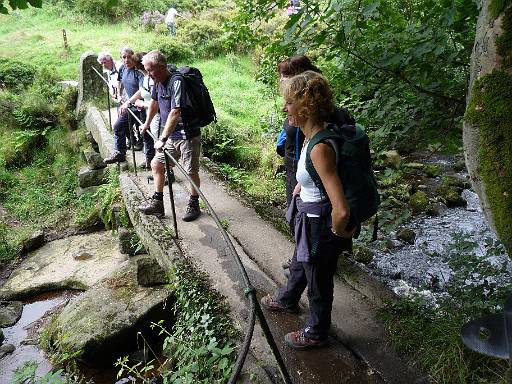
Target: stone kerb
{"x": 90, "y": 85}
{"x": 153, "y": 233}
{"x": 96, "y": 125}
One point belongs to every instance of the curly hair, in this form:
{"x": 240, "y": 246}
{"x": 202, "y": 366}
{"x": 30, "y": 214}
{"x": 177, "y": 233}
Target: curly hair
{"x": 312, "y": 94}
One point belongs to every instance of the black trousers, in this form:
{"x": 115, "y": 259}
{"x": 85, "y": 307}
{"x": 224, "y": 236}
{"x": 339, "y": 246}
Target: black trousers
{"x": 318, "y": 276}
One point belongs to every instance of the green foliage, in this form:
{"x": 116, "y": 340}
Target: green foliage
{"x": 438, "y": 347}
{"x": 400, "y": 66}
{"x": 110, "y": 205}
{"x": 16, "y": 75}
{"x": 174, "y": 50}
{"x": 26, "y": 374}
{"x": 21, "y": 4}
{"x": 204, "y": 35}
{"x": 201, "y": 340}
{"x": 489, "y": 111}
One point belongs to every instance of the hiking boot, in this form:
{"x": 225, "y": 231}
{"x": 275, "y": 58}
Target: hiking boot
{"x": 153, "y": 207}
{"x": 298, "y": 340}
{"x": 271, "y": 304}
{"x": 115, "y": 158}
{"x": 193, "y": 210}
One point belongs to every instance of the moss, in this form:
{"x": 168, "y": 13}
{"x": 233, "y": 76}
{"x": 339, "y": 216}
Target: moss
{"x": 504, "y": 41}
{"x": 489, "y": 111}
{"x": 496, "y": 7}
{"x": 418, "y": 201}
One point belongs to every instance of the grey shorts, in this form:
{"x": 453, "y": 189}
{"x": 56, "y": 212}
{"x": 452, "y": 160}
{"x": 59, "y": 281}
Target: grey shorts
{"x": 188, "y": 151}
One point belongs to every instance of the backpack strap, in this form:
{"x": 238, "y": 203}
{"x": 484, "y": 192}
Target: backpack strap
{"x": 333, "y": 140}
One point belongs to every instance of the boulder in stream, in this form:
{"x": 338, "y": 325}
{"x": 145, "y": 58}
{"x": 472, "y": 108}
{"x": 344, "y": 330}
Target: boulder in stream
{"x": 10, "y": 312}
{"x": 104, "y": 320}
{"x": 53, "y": 266}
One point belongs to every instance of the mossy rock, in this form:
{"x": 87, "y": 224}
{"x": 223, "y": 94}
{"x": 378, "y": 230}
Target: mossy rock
{"x": 363, "y": 255}
{"x": 407, "y": 235}
{"x": 459, "y": 166}
{"x": 419, "y": 201}
{"x": 451, "y": 197}
{"x": 457, "y": 182}
{"x": 432, "y": 170}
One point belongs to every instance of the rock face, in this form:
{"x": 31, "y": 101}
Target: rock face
{"x": 90, "y": 85}
{"x": 55, "y": 266}
{"x": 487, "y": 132}
{"x": 10, "y": 312}
{"x": 100, "y": 320}
{"x": 91, "y": 177}
{"x": 94, "y": 160}
{"x": 149, "y": 272}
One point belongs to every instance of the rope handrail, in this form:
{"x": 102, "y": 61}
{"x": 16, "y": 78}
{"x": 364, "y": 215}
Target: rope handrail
{"x": 249, "y": 290}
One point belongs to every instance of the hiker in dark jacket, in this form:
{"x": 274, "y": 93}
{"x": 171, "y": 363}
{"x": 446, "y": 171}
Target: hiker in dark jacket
{"x": 291, "y": 138}
{"x": 322, "y": 222}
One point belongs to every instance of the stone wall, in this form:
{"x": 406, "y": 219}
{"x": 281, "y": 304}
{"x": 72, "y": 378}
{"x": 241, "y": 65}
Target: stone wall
{"x": 90, "y": 85}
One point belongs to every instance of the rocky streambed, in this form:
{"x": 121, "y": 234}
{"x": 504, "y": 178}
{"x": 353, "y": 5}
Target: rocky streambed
{"x": 101, "y": 301}
{"x": 444, "y": 240}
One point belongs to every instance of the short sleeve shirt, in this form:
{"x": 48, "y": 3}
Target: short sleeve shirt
{"x": 131, "y": 79}
{"x": 170, "y": 95}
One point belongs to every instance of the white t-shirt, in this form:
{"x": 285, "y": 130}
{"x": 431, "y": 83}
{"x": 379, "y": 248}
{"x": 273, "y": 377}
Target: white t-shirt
{"x": 309, "y": 192}
{"x": 170, "y": 16}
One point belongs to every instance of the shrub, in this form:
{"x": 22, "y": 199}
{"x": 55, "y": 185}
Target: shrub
{"x": 150, "y": 19}
{"x": 15, "y": 74}
{"x": 206, "y": 36}
{"x": 174, "y": 50}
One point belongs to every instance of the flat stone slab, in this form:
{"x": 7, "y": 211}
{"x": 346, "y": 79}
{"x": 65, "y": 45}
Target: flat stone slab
{"x": 101, "y": 319}
{"x": 56, "y": 266}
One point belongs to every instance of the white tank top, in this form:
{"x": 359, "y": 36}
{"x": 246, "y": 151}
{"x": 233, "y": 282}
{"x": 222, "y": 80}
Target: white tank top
{"x": 309, "y": 193}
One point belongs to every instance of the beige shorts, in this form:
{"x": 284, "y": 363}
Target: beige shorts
{"x": 186, "y": 150}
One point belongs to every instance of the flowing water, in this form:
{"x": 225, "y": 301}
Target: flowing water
{"x": 426, "y": 267}
{"x": 23, "y": 336}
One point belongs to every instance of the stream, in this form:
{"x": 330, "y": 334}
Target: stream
{"x": 23, "y": 335}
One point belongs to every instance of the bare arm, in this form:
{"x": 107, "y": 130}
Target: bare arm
{"x": 152, "y": 110}
{"x": 324, "y": 161}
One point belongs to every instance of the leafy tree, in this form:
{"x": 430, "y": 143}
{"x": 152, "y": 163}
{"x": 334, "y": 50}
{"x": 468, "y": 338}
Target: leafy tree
{"x": 401, "y": 65}
{"x": 21, "y": 4}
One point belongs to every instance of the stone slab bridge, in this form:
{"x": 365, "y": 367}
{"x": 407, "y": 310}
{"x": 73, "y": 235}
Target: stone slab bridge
{"x": 360, "y": 350}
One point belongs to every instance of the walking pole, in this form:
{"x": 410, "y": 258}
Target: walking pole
{"x": 108, "y": 106}
{"x": 131, "y": 140}
{"x": 171, "y": 193}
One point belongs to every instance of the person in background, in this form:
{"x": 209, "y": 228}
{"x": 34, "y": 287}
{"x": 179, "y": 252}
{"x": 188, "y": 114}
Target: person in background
{"x": 182, "y": 140}
{"x": 129, "y": 81}
{"x": 170, "y": 20}
{"x": 142, "y": 100}
{"x": 322, "y": 222}
{"x": 110, "y": 68}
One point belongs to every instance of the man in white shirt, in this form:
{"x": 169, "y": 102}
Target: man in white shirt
{"x": 170, "y": 20}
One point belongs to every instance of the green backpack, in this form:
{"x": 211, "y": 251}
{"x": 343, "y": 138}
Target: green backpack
{"x": 354, "y": 163}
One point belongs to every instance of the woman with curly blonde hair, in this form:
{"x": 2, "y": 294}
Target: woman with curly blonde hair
{"x": 321, "y": 222}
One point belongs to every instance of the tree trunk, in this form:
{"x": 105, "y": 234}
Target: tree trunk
{"x": 487, "y": 132}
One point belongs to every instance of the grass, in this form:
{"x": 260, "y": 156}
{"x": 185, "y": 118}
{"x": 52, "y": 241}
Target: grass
{"x": 433, "y": 341}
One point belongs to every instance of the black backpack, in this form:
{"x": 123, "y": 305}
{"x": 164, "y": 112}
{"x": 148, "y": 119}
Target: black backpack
{"x": 199, "y": 110}
{"x": 352, "y": 148}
